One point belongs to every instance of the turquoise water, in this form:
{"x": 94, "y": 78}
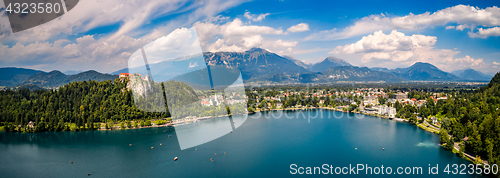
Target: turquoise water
{"x": 265, "y": 145}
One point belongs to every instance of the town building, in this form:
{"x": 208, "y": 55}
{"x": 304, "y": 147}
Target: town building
{"x": 400, "y": 96}
{"x": 123, "y": 75}
{"x": 31, "y": 124}
{"x": 386, "y": 110}
{"x": 279, "y": 105}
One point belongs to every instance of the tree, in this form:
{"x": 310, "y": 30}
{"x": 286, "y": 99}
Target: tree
{"x": 7, "y": 127}
{"x": 461, "y": 151}
{"x": 381, "y": 100}
{"x": 450, "y": 144}
{"x": 446, "y": 123}
{"x": 398, "y": 106}
{"x": 474, "y": 143}
{"x": 122, "y": 125}
{"x": 148, "y": 123}
{"x": 489, "y": 148}
{"x": 251, "y": 109}
{"x": 263, "y": 104}
{"x": 413, "y": 119}
{"x": 129, "y": 124}
{"x": 443, "y": 136}
{"x": 478, "y": 160}
{"x": 352, "y": 107}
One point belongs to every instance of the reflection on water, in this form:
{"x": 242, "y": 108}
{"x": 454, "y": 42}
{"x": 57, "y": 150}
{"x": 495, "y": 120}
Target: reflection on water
{"x": 428, "y": 144}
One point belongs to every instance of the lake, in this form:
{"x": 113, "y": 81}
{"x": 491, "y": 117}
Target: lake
{"x": 267, "y": 144}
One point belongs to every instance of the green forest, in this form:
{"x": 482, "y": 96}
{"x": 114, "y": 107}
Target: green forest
{"x": 474, "y": 116}
{"x": 81, "y": 103}
{"x": 84, "y": 105}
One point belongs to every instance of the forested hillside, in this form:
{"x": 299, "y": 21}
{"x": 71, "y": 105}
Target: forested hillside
{"x": 474, "y": 116}
{"x": 83, "y": 103}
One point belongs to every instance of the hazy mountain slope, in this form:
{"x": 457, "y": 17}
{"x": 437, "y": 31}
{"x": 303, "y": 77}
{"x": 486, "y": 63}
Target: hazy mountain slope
{"x": 298, "y": 62}
{"x": 424, "y": 72}
{"x": 471, "y": 74}
{"x": 334, "y": 74}
{"x": 328, "y": 63}
{"x": 56, "y": 78}
{"x": 255, "y": 62}
{"x": 11, "y": 76}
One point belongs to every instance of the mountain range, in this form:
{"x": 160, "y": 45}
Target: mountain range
{"x": 53, "y": 79}
{"x": 328, "y": 63}
{"x": 471, "y": 74}
{"x": 11, "y": 76}
{"x": 255, "y": 62}
{"x": 256, "y": 65}
{"x": 421, "y": 72}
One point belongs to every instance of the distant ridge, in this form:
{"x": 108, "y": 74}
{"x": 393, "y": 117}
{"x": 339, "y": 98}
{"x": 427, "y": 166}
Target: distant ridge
{"x": 328, "y": 63}
{"x": 256, "y": 65}
{"x": 333, "y": 75}
{"x": 255, "y": 62}
{"x": 56, "y": 78}
{"x": 298, "y": 62}
{"x": 421, "y": 71}
{"x": 12, "y": 76}
{"x": 472, "y": 75}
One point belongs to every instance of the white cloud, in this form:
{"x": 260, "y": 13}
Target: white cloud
{"x": 485, "y": 33}
{"x": 85, "y": 53}
{"x": 255, "y": 18}
{"x": 466, "y": 61}
{"x": 130, "y": 14}
{"x": 496, "y": 63}
{"x": 104, "y": 52}
{"x": 301, "y": 27}
{"x": 468, "y": 16}
{"x": 397, "y": 50}
{"x": 237, "y": 37}
{"x": 450, "y": 27}
{"x": 90, "y": 14}
{"x": 378, "y": 45}
{"x": 462, "y": 27}
{"x": 181, "y": 42}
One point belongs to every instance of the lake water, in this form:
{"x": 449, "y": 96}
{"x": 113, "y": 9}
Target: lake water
{"x": 265, "y": 145}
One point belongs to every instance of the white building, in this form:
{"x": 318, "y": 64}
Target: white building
{"x": 386, "y": 110}
{"x": 370, "y": 100}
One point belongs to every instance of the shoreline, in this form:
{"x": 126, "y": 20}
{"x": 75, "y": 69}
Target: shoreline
{"x": 454, "y": 150}
{"x": 172, "y": 124}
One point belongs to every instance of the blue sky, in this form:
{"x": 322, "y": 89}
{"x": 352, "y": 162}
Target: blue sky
{"x": 102, "y": 35}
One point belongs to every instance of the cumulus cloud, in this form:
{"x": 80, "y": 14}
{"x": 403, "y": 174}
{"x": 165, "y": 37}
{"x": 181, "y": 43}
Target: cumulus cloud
{"x": 45, "y": 47}
{"x": 395, "y": 46}
{"x": 397, "y": 49}
{"x": 236, "y": 36}
{"x": 255, "y": 18}
{"x": 91, "y": 14}
{"x": 180, "y": 43}
{"x": 485, "y": 33}
{"x": 301, "y": 27}
{"x": 496, "y": 63}
{"x": 467, "y": 16}
{"x": 466, "y": 61}
{"x": 84, "y": 52}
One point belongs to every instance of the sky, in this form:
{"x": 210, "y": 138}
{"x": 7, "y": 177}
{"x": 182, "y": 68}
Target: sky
{"x": 102, "y": 35}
